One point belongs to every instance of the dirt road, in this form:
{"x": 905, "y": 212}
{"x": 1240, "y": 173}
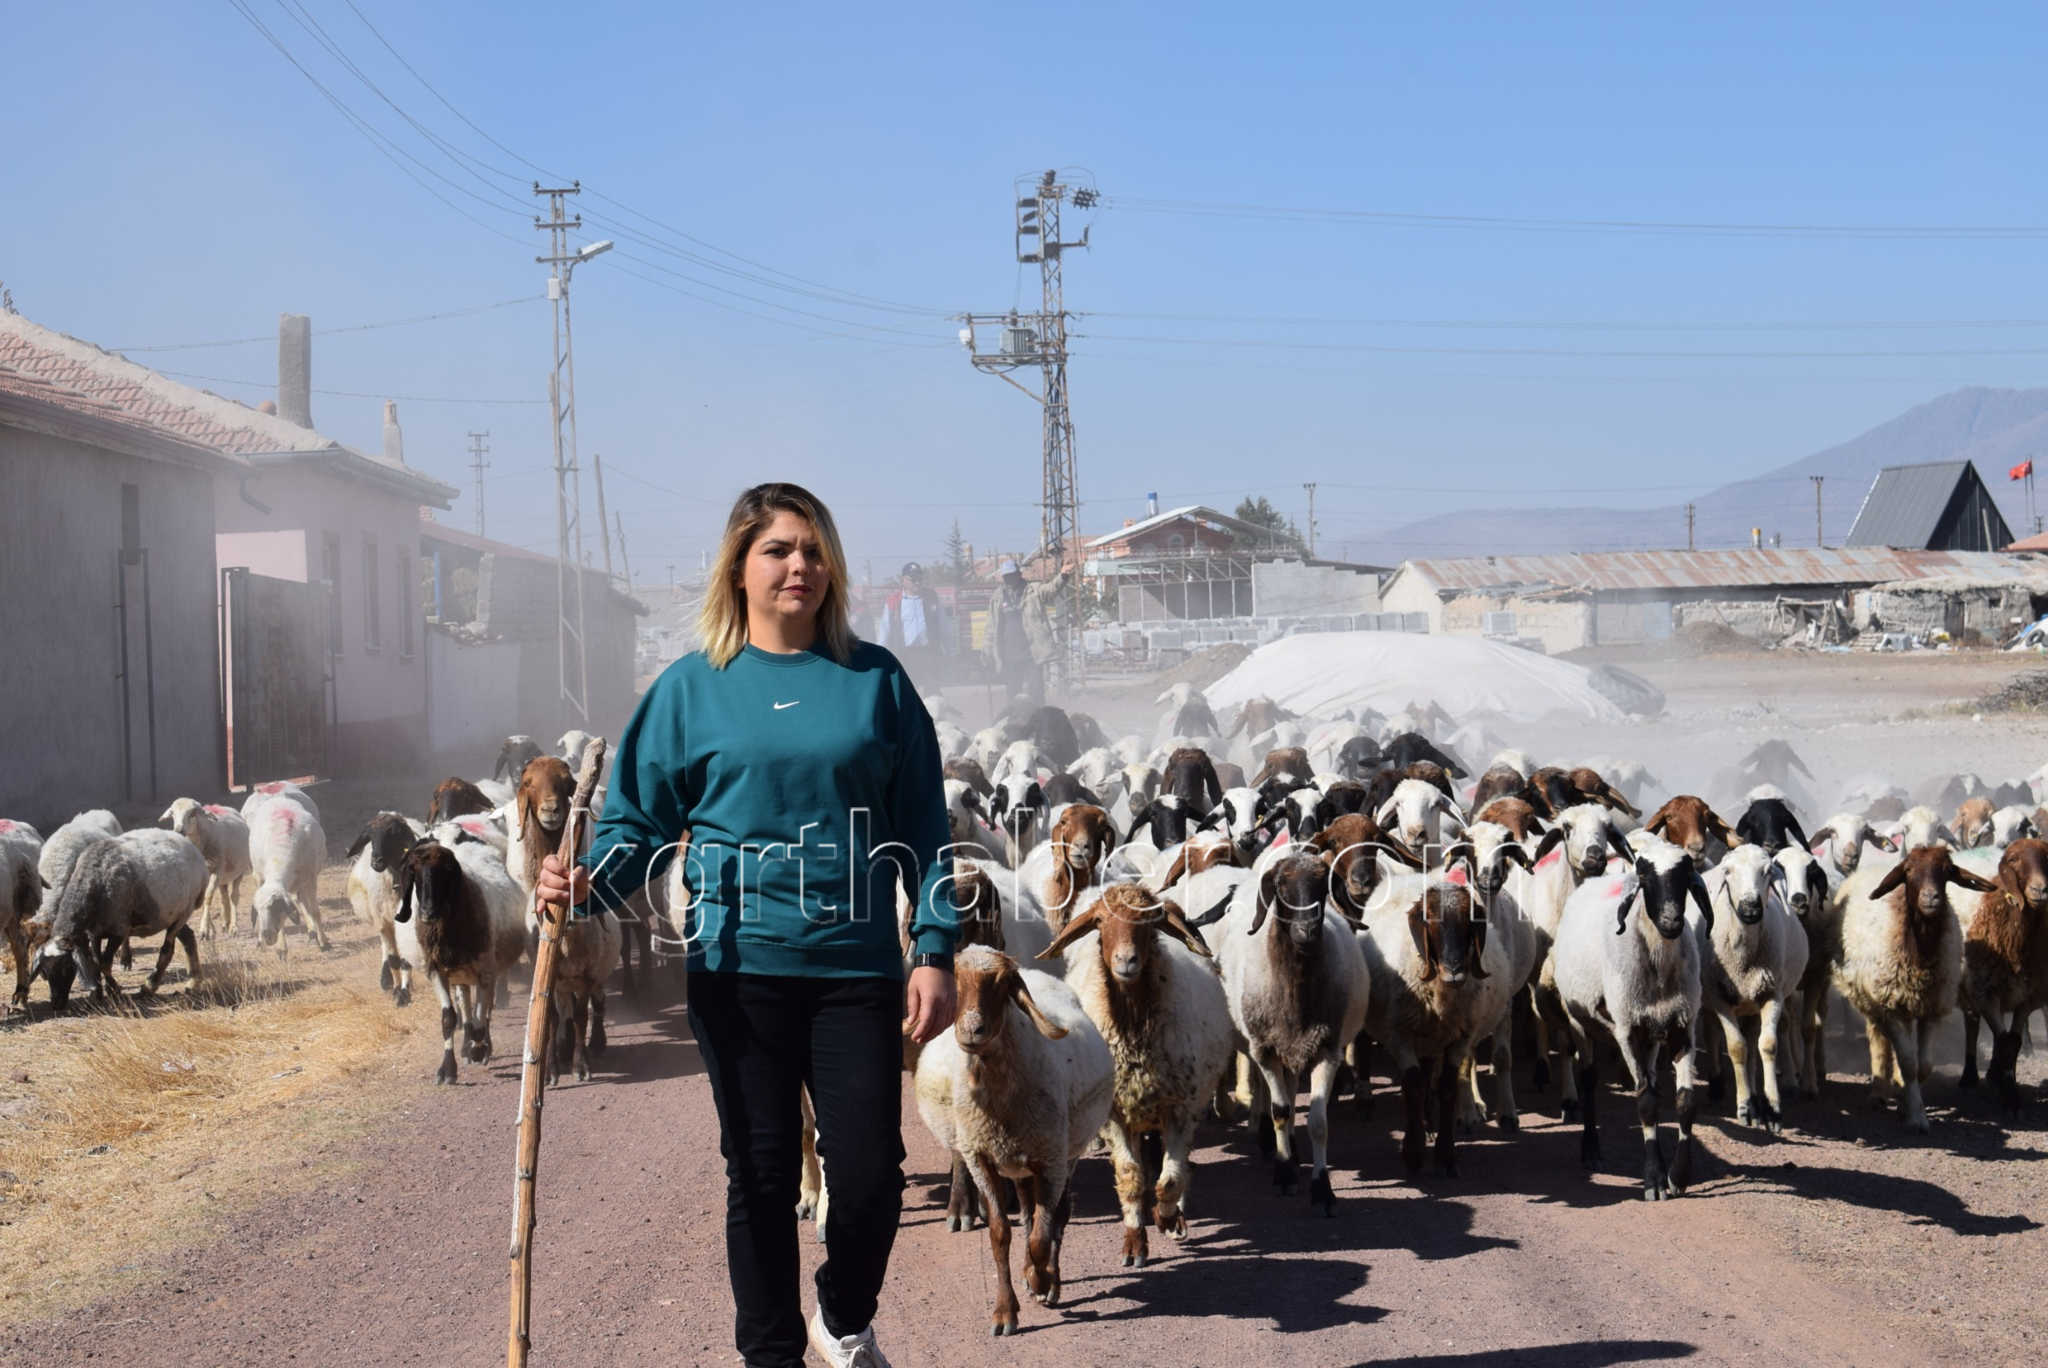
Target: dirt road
{"x": 1844, "y": 1243}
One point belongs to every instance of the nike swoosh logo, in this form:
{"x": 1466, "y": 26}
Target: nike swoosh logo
{"x": 780, "y": 706}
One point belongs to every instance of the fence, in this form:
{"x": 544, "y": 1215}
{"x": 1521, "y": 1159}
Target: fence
{"x": 1145, "y": 646}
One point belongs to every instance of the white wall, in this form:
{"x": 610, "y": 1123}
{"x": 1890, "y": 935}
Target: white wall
{"x": 472, "y": 698}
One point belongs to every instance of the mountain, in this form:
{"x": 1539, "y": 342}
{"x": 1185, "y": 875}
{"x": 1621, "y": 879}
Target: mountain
{"x": 1996, "y": 428}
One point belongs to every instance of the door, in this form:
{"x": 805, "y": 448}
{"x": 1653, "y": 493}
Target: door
{"x": 276, "y": 662}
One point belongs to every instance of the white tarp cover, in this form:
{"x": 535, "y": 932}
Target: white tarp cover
{"x": 1320, "y": 674}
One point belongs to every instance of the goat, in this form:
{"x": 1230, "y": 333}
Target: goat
{"x": 1900, "y": 963}
{"x": 540, "y": 807}
{"x": 1160, "y": 1008}
{"x": 1017, "y": 1089}
{"x": 1298, "y": 990}
{"x": 1635, "y": 976}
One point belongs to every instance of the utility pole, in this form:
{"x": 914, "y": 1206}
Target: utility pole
{"x": 1688, "y": 527}
{"x": 604, "y": 523}
{"x": 479, "y": 447}
{"x": 1040, "y": 339}
{"x": 1310, "y": 486}
{"x": 624, "y": 564}
{"x": 1819, "y": 538}
{"x": 572, "y": 658}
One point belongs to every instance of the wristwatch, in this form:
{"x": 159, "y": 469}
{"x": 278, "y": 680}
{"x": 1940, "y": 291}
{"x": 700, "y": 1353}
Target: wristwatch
{"x": 933, "y": 959}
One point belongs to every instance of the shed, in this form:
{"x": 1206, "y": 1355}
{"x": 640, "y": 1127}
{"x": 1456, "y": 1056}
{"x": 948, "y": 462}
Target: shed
{"x": 1938, "y": 506}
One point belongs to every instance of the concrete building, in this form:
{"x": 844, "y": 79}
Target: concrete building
{"x": 315, "y": 539}
{"x": 492, "y": 648}
{"x": 1562, "y": 602}
{"x": 111, "y": 674}
{"x": 1194, "y": 563}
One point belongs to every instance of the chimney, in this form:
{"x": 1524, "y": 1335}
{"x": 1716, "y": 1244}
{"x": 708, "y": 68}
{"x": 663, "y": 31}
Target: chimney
{"x": 295, "y": 369}
{"x": 394, "y": 440}
{"x": 1756, "y": 539}
{"x": 1152, "y": 505}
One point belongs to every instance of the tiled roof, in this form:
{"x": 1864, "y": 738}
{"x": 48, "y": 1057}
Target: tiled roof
{"x": 197, "y": 416}
{"x": 49, "y": 394}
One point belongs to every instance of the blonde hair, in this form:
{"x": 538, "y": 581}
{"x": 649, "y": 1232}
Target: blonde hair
{"x": 722, "y": 621}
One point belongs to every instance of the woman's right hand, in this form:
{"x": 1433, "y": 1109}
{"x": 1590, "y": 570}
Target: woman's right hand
{"x": 559, "y": 887}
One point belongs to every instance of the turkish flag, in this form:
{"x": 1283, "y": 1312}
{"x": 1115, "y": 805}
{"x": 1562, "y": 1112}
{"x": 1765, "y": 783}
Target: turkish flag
{"x": 2022, "y": 470}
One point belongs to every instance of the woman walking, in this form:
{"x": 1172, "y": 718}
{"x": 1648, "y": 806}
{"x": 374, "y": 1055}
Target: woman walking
{"x": 805, "y": 769}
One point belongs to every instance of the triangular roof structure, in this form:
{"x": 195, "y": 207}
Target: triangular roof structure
{"x": 116, "y": 385}
{"x": 1198, "y": 513}
{"x": 1939, "y": 506}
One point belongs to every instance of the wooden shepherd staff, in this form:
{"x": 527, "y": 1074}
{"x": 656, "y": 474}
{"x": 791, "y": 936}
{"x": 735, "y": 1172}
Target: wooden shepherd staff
{"x": 539, "y": 1019}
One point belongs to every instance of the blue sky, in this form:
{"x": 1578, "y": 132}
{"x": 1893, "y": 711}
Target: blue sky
{"x": 173, "y": 179}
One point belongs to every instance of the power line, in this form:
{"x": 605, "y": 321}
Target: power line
{"x": 1377, "y": 348}
{"x": 329, "y": 332}
{"x": 350, "y": 394}
{"x": 1575, "y": 325}
{"x": 1407, "y": 218}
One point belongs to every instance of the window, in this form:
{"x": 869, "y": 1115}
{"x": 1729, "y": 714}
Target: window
{"x": 408, "y": 606}
{"x": 330, "y": 570}
{"x": 373, "y": 638}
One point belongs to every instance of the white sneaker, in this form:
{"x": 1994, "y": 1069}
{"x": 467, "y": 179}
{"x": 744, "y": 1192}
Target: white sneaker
{"x": 854, "y": 1351}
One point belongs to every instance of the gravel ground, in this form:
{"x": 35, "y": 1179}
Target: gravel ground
{"x": 1845, "y": 1242}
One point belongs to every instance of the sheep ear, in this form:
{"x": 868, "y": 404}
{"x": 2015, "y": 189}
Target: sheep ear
{"x": 1263, "y": 904}
{"x": 1894, "y": 877}
{"x": 1071, "y": 932}
{"x": 1698, "y": 888}
{"x": 1821, "y": 837}
{"x": 1943, "y": 833}
{"x": 1552, "y": 839}
{"x": 1386, "y": 810}
{"x": 1394, "y": 846}
{"x": 356, "y": 847}
{"x": 1619, "y": 839}
{"x": 1963, "y": 878}
{"x": 1658, "y": 821}
{"x": 404, "y": 912}
{"x": 1046, "y": 1027}
{"x": 1418, "y": 927}
{"x": 1816, "y": 883}
{"x": 1511, "y": 851}
{"x": 1175, "y": 924}
{"x": 1798, "y": 834}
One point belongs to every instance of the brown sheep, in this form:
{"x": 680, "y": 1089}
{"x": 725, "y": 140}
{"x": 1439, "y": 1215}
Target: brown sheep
{"x": 1688, "y": 823}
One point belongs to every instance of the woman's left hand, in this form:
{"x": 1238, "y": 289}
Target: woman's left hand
{"x": 929, "y": 1003}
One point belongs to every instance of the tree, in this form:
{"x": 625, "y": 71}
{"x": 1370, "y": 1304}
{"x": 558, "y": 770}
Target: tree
{"x": 1280, "y": 532}
{"x": 958, "y": 566}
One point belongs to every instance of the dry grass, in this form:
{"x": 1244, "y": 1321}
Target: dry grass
{"x": 139, "y": 1127}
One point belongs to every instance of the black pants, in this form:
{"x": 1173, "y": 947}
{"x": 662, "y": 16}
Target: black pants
{"x": 761, "y": 1038}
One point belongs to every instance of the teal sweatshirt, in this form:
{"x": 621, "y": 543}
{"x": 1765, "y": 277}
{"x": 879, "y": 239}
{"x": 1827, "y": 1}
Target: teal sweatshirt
{"x": 810, "y": 789}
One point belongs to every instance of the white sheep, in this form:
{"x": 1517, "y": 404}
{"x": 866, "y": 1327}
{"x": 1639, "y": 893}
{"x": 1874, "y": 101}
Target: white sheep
{"x": 2010, "y": 823}
{"x": 222, "y": 836}
{"x": 21, "y": 893}
{"x": 288, "y": 847}
{"x": 1752, "y": 956}
{"x": 1503, "y": 875}
{"x": 1919, "y": 826}
{"x": 1841, "y": 841}
{"x": 1420, "y": 814}
{"x": 1576, "y": 849}
{"x": 377, "y": 852}
{"x": 1144, "y": 978}
{"x": 261, "y": 795}
{"x": 1627, "y": 969}
{"x": 1298, "y": 990}
{"x": 1900, "y": 963}
{"x": 1017, "y": 1089}
{"x": 1426, "y": 948}
{"x": 1806, "y": 883}
{"x": 1020, "y": 758}
{"x": 140, "y": 883}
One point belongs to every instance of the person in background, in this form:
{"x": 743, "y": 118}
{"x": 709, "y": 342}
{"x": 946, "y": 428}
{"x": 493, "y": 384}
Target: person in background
{"x": 805, "y": 770}
{"x": 1020, "y": 634}
{"x": 910, "y": 625}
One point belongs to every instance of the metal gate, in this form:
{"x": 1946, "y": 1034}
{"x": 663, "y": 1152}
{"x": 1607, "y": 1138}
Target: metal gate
{"x": 274, "y": 670}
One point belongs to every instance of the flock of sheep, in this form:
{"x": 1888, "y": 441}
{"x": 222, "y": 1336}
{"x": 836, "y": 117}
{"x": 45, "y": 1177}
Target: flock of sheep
{"x": 450, "y": 896}
{"x": 1287, "y": 893}
{"x": 1213, "y": 919}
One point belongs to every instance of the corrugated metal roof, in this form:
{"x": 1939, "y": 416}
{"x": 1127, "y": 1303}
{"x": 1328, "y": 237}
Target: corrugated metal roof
{"x": 1770, "y": 568}
{"x": 1905, "y": 504}
{"x": 1198, "y": 512}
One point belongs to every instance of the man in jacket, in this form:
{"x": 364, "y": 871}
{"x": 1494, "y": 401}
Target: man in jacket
{"x": 910, "y": 625}
{"x": 1020, "y": 632}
